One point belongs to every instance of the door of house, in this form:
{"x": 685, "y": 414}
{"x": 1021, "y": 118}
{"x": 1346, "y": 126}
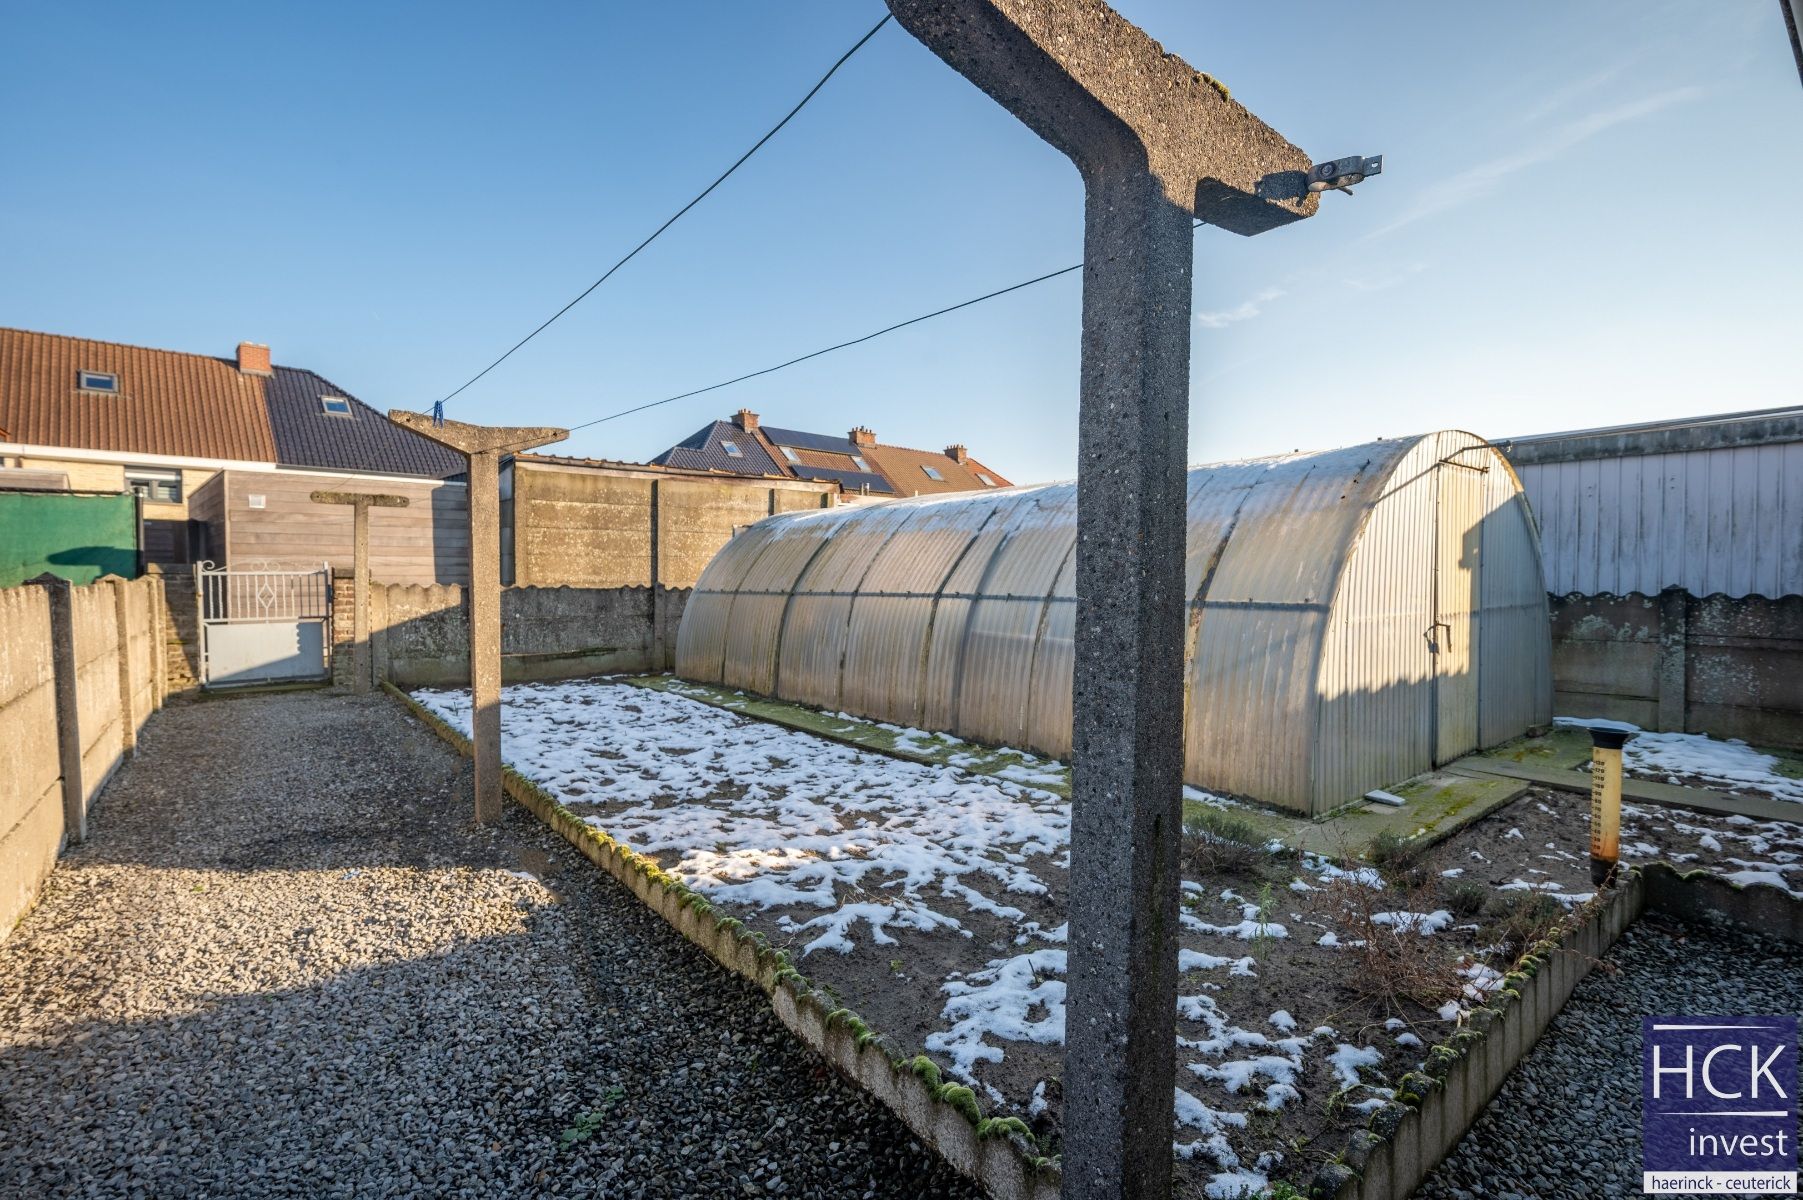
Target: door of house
{"x": 262, "y": 624}
{"x": 1453, "y": 637}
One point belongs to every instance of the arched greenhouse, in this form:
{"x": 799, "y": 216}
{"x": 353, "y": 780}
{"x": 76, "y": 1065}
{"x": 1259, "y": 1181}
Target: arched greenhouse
{"x": 1356, "y": 616}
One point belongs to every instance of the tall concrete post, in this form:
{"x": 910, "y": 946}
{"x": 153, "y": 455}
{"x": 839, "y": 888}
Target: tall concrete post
{"x": 69, "y": 740}
{"x": 362, "y": 674}
{"x": 482, "y": 446}
{"x": 1157, "y": 143}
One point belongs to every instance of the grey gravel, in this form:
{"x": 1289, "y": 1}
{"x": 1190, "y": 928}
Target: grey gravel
{"x": 1566, "y": 1123}
{"x": 286, "y": 964}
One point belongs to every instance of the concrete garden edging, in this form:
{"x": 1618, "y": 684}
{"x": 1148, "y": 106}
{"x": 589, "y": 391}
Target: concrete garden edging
{"x": 997, "y": 1152}
{"x": 1437, "y": 1105}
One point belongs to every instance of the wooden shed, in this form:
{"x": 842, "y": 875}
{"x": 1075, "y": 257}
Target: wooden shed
{"x": 1355, "y": 616}
{"x": 247, "y": 517}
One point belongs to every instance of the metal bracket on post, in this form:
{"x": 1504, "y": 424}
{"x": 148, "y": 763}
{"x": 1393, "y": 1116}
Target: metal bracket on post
{"x": 483, "y": 446}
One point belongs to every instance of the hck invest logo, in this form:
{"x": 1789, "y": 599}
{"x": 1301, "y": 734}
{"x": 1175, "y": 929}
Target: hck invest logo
{"x": 1719, "y": 1105}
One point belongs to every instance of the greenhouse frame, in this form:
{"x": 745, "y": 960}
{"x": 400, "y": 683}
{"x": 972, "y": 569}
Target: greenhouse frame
{"x": 1354, "y": 616}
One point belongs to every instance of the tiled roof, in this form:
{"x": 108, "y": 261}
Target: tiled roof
{"x": 196, "y": 406}
{"x": 904, "y": 467}
{"x": 366, "y": 440}
{"x": 701, "y": 451}
{"x": 184, "y": 405}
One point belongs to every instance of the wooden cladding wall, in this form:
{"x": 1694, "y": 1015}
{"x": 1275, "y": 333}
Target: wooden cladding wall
{"x": 425, "y": 543}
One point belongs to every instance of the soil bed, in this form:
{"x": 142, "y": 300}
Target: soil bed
{"x": 930, "y": 900}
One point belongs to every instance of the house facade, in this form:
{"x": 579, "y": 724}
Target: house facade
{"x": 855, "y": 463}
{"x": 112, "y": 418}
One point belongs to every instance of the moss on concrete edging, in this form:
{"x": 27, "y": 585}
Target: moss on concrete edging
{"x": 997, "y": 1152}
{"x": 1437, "y": 1105}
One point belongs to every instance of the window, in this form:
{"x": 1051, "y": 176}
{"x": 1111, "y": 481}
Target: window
{"x": 335, "y": 406}
{"x": 791, "y": 455}
{"x": 933, "y": 473}
{"x": 157, "y": 487}
{"x": 862, "y": 465}
{"x": 987, "y": 482}
{"x": 97, "y": 381}
{"x": 732, "y": 449}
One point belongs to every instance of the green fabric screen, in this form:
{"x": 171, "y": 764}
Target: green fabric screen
{"x": 79, "y": 538}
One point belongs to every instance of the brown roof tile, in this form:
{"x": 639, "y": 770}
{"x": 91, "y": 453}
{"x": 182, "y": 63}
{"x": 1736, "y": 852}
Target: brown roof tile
{"x": 184, "y": 405}
{"x": 904, "y": 469}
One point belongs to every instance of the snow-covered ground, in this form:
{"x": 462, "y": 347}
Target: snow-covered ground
{"x": 1731, "y": 765}
{"x": 847, "y": 847}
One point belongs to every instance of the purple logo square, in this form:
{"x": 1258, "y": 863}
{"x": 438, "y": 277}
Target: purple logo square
{"x": 1719, "y": 1105}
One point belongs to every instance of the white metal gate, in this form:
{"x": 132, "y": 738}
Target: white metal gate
{"x": 263, "y": 623}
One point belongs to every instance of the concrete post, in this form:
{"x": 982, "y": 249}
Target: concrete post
{"x": 482, "y": 446}
{"x": 360, "y": 503}
{"x": 68, "y": 709}
{"x": 1157, "y": 143}
{"x": 128, "y": 723}
{"x": 1674, "y": 679}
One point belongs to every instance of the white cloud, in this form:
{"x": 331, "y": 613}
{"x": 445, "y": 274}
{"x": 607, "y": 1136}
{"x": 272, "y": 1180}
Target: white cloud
{"x": 1481, "y": 180}
{"x": 1221, "y": 318}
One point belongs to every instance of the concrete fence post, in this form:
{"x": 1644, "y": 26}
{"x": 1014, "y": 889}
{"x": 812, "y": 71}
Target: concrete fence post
{"x": 1674, "y": 680}
{"x": 128, "y": 717}
{"x": 159, "y": 634}
{"x": 68, "y": 716}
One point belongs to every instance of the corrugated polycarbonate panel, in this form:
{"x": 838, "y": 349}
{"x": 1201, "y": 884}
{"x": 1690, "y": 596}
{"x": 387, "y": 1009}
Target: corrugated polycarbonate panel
{"x": 1375, "y": 687}
{"x": 896, "y": 612}
{"x": 1002, "y": 636}
{"x": 1251, "y": 707}
{"x": 811, "y": 655}
{"x": 1515, "y": 646}
{"x": 1726, "y": 520}
{"x": 1311, "y": 580}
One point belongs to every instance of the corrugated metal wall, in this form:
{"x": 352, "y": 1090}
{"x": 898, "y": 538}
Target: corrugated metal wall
{"x": 1310, "y": 638}
{"x": 1724, "y": 520}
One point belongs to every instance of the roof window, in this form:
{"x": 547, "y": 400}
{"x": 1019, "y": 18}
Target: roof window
{"x": 335, "y": 406}
{"x": 790, "y": 454}
{"x": 732, "y": 449}
{"x": 97, "y": 381}
{"x": 862, "y": 465}
{"x": 932, "y": 473}
{"x": 987, "y": 482}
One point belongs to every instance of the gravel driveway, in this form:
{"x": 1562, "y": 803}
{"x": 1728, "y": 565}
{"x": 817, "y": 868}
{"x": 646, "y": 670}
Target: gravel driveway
{"x": 285, "y": 964}
{"x": 1566, "y": 1124}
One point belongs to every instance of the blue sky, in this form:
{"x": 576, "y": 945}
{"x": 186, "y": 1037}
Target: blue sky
{"x": 1587, "y": 214}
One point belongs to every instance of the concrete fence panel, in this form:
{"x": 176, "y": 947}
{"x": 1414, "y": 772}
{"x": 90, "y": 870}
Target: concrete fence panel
{"x": 81, "y": 670}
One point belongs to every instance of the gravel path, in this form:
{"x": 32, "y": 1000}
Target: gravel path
{"x": 285, "y": 964}
{"x": 1566, "y": 1124}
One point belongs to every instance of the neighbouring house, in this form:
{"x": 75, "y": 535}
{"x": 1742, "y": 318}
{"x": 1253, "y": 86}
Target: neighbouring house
{"x": 172, "y": 426}
{"x": 1674, "y": 557}
{"x": 856, "y": 463}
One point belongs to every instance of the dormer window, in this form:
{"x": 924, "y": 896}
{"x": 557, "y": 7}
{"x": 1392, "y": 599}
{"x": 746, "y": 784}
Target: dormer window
{"x": 933, "y": 473}
{"x": 732, "y": 449}
{"x": 335, "y": 406}
{"x": 97, "y": 381}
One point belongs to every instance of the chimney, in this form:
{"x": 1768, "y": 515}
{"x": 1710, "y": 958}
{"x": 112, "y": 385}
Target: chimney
{"x": 745, "y": 419}
{"x": 253, "y": 358}
{"x": 957, "y": 454}
{"x": 861, "y": 437}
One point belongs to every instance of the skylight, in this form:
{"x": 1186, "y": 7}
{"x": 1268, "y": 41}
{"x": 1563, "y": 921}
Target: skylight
{"x": 933, "y": 473}
{"x": 732, "y": 449}
{"x": 862, "y": 465}
{"x": 987, "y": 482}
{"x": 97, "y": 381}
{"x": 791, "y": 455}
{"x": 335, "y": 406}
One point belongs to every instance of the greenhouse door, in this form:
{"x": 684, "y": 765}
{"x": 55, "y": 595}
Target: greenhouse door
{"x": 1453, "y": 638}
